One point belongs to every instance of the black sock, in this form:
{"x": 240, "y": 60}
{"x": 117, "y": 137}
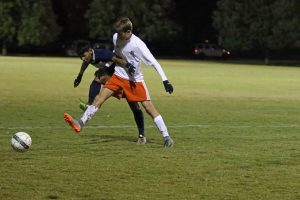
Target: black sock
{"x": 94, "y": 90}
{"x": 139, "y": 119}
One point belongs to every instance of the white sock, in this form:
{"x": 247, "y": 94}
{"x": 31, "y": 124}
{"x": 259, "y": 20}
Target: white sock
{"x": 160, "y": 124}
{"x": 88, "y": 114}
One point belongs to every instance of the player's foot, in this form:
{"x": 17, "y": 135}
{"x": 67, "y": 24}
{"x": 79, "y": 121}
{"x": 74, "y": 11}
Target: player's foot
{"x": 75, "y": 124}
{"x": 141, "y": 140}
{"x": 82, "y": 106}
{"x": 168, "y": 142}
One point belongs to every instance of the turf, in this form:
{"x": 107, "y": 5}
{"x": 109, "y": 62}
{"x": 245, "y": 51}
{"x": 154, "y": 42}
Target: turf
{"x": 236, "y": 129}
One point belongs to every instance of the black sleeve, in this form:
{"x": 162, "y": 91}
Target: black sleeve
{"x": 103, "y": 55}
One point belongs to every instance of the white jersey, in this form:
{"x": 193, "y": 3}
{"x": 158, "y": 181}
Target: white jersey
{"x": 134, "y": 51}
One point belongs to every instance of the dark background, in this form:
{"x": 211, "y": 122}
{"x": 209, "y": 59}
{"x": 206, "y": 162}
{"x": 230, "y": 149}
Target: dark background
{"x": 195, "y": 17}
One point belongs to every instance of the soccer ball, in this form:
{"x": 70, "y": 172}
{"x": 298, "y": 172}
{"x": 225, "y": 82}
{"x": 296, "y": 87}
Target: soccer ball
{"x": 21, "y": 141}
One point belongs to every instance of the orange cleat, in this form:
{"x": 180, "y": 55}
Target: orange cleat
{"x": 72, "y": 122}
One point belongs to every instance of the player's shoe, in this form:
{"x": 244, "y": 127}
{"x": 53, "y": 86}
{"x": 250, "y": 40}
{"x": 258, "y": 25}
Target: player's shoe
{"x": 168, "y": 142}
{"x": 72, "y": 122}
{"x": 82, "y": 106}
{"x": 141, "y": 140}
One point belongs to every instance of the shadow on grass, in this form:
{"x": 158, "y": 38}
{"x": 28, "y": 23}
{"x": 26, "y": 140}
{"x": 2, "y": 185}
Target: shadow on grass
{"x": 96, "y": 139}
{"x": 52, "y": 197}
{"x": 111, "y": 138}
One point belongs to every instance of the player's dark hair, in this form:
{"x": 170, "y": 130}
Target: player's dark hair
{"x": 82, "y": 46}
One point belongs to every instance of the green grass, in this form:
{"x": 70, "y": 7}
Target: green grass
{"x": 236, "y": 128}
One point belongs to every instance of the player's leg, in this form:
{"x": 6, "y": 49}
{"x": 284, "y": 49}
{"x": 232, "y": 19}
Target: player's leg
{"x": 139, "y": 93}
{"x": 159, "y": 122}
{"x": 139, "y": 120}
{"x": 98, "y": 101}
{"x": 100, "y": 79}
{"x": 94, "y": 89}
{"x": 90, "y": 111}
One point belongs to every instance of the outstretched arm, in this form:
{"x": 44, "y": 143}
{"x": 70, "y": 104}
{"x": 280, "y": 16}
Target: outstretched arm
{"x": 149, "y": 59}
{"x": 83, "y": 67}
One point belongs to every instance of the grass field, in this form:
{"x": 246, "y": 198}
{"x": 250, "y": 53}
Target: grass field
{"x": 236, "y": 129}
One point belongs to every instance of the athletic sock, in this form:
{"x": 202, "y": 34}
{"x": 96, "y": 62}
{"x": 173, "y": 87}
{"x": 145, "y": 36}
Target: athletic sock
{"x": 88, "y": 114}
{"x": 166, "y": 138}
{"x": 94, "y": 90}
{"x": 139, "y": 120}
{"x": 160, "y": 124}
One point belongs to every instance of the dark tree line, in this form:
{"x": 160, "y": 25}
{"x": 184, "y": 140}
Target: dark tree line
{"x": 27, "y": 22}
{"x": 239, "y": 25}
{"x": 263, "y": 25}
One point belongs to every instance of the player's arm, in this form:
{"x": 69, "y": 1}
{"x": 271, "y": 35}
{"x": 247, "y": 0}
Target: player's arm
{"x": 107, "y": 55}
{"x": 149, "y": 59}
{"x": 122, "y": 62}
{"x": 119, "y": 61}
{"x": 83, "y": 67}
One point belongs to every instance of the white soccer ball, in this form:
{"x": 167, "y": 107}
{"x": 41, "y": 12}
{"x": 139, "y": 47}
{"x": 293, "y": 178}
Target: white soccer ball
{"x": 21, "y": 141}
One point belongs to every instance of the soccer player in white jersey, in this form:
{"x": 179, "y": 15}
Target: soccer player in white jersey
{"x": 128, "y": 79}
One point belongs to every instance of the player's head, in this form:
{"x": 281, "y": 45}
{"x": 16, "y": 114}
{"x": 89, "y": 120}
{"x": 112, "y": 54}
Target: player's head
{"x": 124, "y": 28}
{"x": 84, "y": 50}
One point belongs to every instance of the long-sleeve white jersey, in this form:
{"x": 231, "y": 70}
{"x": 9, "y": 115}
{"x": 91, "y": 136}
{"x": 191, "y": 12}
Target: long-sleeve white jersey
{"x": 134, "y": 51}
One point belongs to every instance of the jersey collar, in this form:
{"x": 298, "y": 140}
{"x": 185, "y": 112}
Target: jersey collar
{"x": 93, "y": 58}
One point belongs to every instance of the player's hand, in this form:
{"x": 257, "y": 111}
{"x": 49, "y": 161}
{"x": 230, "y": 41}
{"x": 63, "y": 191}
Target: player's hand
{"x": 168, "y": 86}
{"x": 130, "y": 68}
{"x": 77, "y": 80}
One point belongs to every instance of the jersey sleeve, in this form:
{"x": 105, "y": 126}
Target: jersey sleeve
{"x": 103, "y": 55}
{"x": 149, "y": 59}
{"x": 115, "y": 36}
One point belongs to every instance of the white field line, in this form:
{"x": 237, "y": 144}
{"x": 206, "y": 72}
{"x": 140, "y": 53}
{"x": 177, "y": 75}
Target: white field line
{"x": 169, "y": 126}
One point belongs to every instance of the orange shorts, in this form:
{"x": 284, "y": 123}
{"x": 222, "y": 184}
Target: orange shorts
{"x": 133, "y": 91}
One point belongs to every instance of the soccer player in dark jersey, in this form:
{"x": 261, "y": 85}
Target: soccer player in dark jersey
{"x": 104, "y": 60}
